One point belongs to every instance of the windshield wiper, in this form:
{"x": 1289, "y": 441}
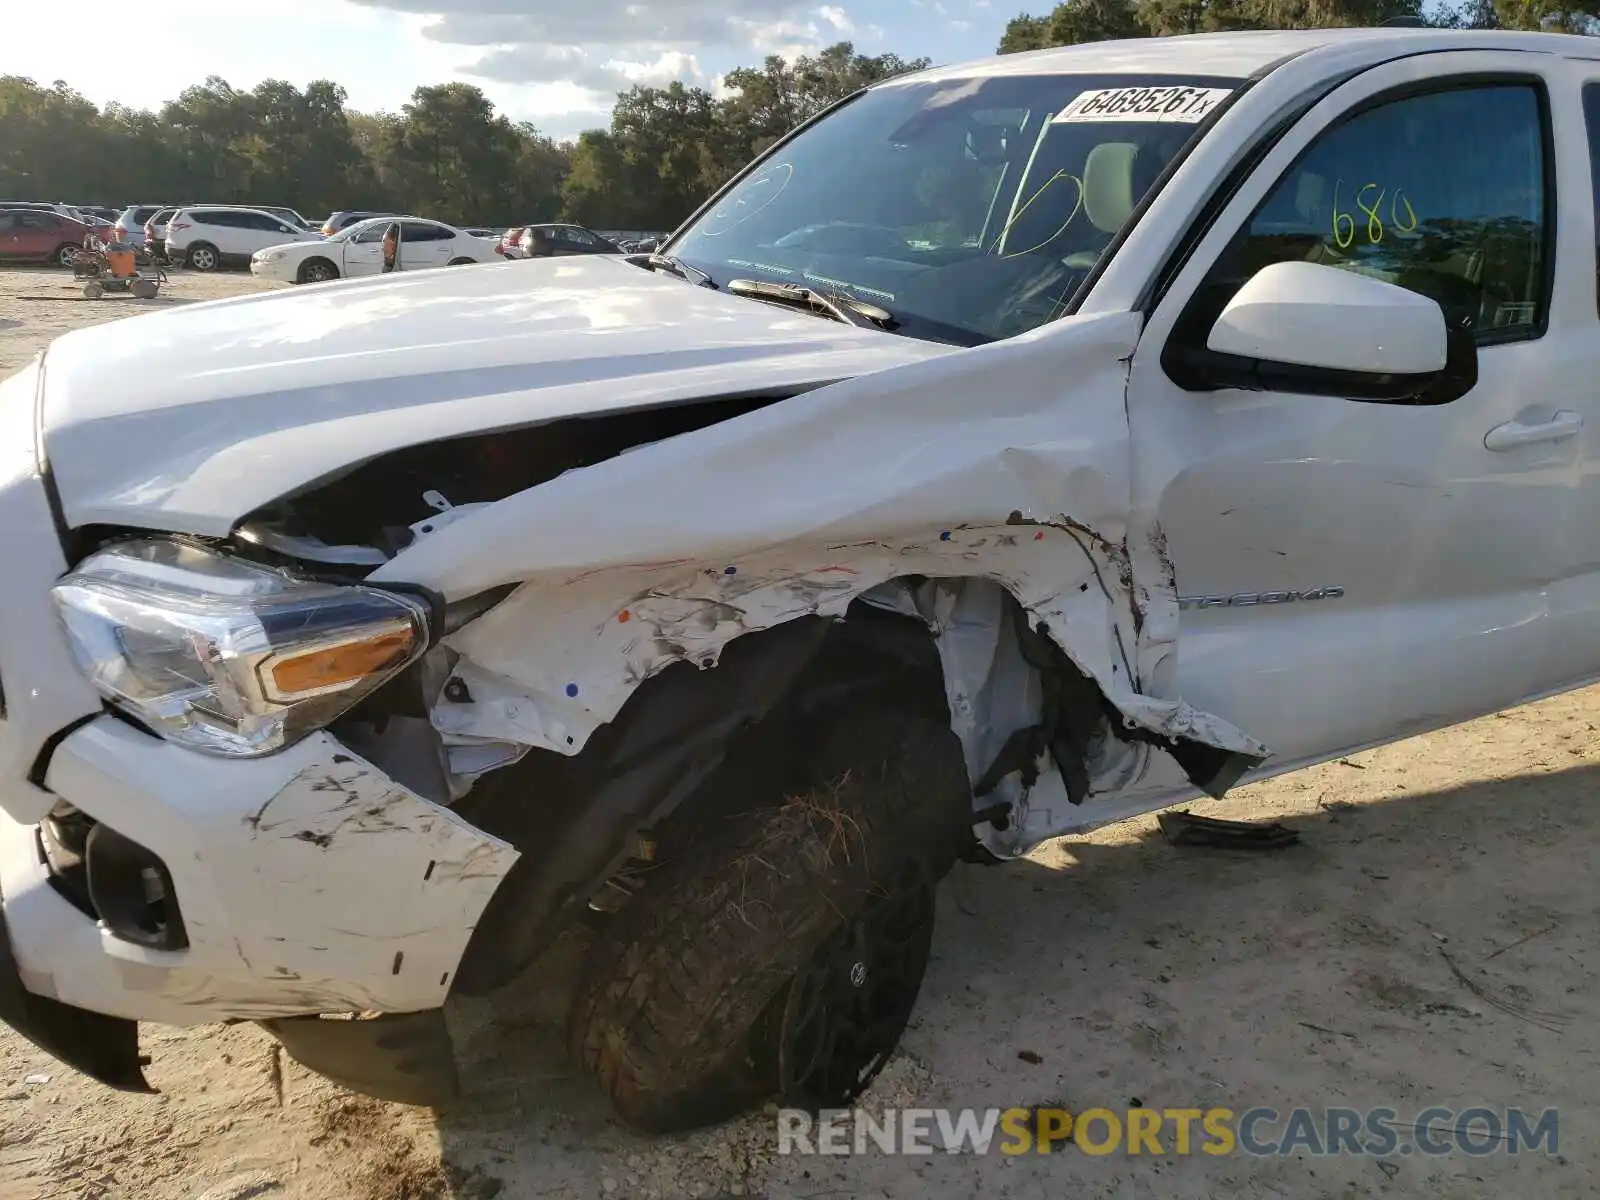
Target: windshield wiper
{"x": 838, "y": 305}
{"x": 672, "y": 266}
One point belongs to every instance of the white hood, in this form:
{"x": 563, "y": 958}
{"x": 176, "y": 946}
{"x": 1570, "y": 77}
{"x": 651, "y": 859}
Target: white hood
{"x": 188, "y": 419}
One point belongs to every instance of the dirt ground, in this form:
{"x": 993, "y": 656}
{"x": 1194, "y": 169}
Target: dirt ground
{"x": 1425, "y": 943}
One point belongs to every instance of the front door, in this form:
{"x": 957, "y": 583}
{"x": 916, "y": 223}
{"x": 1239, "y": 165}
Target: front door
{"x": 363, "y": 251}
{"x": 1354, "y": 571}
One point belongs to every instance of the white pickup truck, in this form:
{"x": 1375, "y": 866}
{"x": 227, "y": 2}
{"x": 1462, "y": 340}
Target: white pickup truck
{"x": 1017, "y": 447}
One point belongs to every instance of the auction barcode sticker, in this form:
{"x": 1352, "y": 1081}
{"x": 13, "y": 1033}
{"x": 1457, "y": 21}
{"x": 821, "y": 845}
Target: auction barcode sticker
{"x": 1187, "y": 104}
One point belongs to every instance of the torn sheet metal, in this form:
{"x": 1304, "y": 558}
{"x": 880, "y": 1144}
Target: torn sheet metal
{"x": 992, "y": 691}
{"x": 985, "y": 465}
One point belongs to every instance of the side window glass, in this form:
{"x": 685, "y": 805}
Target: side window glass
{"x": 1591, "y": 119}
{"x": 373, "y": 234}
{"x": 578, "y": 237}
{"x": 1442, "y": 193}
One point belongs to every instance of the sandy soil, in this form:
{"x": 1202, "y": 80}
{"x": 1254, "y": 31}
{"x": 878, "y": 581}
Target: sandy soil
{"x": 1426, "y": 942}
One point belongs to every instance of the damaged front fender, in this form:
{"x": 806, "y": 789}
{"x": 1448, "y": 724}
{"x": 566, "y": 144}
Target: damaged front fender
{"x": 1006, "y": 465}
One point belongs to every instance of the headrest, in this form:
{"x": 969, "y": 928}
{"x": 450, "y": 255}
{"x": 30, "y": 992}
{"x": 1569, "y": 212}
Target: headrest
{"x": 1108, "y": 197}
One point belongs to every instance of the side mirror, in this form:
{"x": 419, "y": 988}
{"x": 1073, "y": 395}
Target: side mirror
{"x": 1319, "y": 330}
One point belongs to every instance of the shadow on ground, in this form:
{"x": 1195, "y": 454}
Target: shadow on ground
{"x": 1126, "y": 972}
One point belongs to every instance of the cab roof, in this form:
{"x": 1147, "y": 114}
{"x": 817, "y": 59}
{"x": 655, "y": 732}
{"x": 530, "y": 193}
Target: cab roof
{"x": 1243, "y": 53}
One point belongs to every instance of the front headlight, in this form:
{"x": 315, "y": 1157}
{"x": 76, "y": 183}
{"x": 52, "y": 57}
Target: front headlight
{"x": 272, "y": 256}
{"x": 227, "y": 656}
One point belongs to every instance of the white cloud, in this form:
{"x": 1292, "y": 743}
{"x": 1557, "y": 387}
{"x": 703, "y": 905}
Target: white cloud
{"x": 837, "y": 17}
{"x": 607, "y": 45}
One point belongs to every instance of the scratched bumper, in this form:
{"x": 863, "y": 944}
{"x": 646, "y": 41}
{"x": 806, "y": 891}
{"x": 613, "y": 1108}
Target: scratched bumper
{"x": 308, "y": 882}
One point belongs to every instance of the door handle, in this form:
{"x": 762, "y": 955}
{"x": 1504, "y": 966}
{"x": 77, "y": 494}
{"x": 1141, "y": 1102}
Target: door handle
{"x": 1515, "y": 433}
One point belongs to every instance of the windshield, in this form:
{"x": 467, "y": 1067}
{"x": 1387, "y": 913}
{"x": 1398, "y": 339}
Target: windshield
{"x": 971, "y": 209}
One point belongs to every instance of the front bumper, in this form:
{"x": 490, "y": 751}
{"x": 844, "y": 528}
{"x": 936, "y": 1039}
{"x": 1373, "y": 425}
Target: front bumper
{"x": 308, "y": 882}
{"x": 279, "y": 272}
{"x": 102, "y": 1047}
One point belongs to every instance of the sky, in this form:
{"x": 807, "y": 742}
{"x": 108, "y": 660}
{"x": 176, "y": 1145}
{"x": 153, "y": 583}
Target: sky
{"x": 557, "y": 63}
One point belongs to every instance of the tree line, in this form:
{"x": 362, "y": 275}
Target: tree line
{"x": 1102, "y": 20}
{"x": 447, "y": 153}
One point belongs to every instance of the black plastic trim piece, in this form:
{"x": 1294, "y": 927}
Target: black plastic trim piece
{"x": 41, "y": 761}
{"x": 104, "y": 1048}
{"x": 116, "y": 865}
{"x": 405, "y": 1058}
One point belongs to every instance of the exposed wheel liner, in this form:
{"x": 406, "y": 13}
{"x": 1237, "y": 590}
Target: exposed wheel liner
{"x": 405, "y": 1058}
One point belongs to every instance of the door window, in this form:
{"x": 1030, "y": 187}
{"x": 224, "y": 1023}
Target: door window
{"x": 260, "y": 222}
{"x": 1445, "y": 193}
{"x": 1591, "y": 118}
{"x": 423, "y": 231}
{"x": 578, "y": 237}
{"x": 373, "y": 233}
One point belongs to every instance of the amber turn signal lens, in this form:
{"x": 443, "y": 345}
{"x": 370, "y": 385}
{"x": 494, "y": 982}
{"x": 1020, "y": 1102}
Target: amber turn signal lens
{"x": 335, "y": 666}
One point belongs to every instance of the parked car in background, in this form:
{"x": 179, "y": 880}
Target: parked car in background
{"x": 287, "y": 214}
{"x": 554, "y": 239}
{"x": 343, "y": 220}
{"x": 40, "y": 235}
{"x": 101, "y": 211}
{"x": 155, "y": 231}
{"x": 211, "y": 236}
{"x": 358, "y": 250}
{"x": 130, "y": 224}
{"x": 559, "y": 240}
{"x": 510, "y": 243}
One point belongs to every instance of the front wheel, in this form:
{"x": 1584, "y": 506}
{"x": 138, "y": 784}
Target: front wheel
{"x": 784, "y": 952}
{"x": 318, "y": 270}
{"x": 203, "y": 256}
{"x": 66, "y": 254}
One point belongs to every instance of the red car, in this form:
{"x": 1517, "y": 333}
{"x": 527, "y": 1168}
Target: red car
{"x": 37, "y": 235}
{"x": 508, "y": 245}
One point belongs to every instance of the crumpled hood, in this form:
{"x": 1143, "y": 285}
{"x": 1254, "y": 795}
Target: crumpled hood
{"x": 189, "y": 418}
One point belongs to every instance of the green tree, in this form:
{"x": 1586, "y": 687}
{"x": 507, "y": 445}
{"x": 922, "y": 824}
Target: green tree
{"x": 452, "y": 156}
{"x": 770, "y": 100}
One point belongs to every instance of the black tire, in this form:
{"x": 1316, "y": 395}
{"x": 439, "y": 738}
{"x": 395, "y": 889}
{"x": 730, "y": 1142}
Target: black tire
{"x": 461, "y": 262}
{"x": 66, "y": 254}
{"x": 316, "y": 270}
{"x": 678, "y": 1007}
{"x": 202, "y": 256}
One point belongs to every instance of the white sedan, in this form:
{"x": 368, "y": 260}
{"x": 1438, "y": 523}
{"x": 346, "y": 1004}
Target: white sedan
{"x": 358, "y": 251}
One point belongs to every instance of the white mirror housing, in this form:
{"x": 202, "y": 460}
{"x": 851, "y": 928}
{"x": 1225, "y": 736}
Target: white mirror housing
{"x": 1311, "y": 315}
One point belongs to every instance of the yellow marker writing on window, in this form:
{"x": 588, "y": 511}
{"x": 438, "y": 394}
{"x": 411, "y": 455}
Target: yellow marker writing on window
{"x": 1344, "y": 223}
{"x": 1077, "y": 207}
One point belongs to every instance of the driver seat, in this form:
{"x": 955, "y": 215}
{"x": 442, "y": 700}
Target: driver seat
{"x": 1108, "y": 194}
